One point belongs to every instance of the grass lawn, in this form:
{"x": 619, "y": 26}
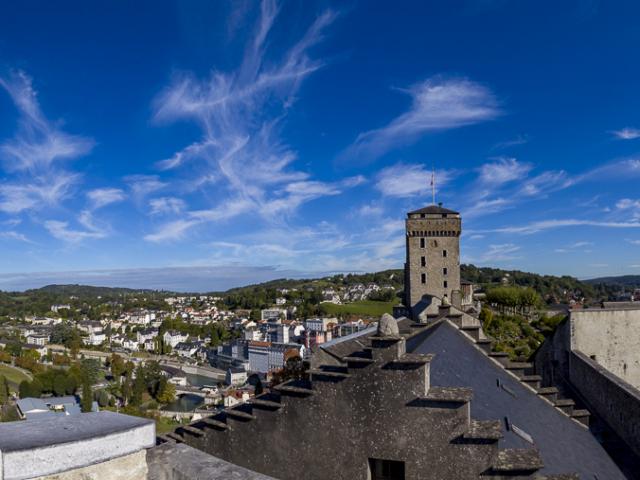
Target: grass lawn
{"x": 365, "y": 308}
{"x": 12, "y": 374}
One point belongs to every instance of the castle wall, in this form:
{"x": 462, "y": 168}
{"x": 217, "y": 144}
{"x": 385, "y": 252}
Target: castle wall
{"x": 612, "y": 337}
{"x": 615, "y": 401}
{"x": 378, "y": 411}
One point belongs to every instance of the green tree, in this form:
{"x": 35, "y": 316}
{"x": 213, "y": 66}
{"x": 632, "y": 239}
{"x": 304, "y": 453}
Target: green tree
{"x": 60, "y": 384}
{"x": 167, "y": 393}
{"x": 4, "y": 390}
{"x": 139, "y": 387}
{"x": 87, "y": 397}
{"x": 103, "y": 398}
{"x": 117, "y": 367}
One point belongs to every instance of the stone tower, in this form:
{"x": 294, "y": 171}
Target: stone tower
{"x": 433, "y": 254}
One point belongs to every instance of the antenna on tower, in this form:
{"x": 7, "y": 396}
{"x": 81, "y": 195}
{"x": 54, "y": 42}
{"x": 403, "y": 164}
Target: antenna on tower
{"x": 433, "y": 185}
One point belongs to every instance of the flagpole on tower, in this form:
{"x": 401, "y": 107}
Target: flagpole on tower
{"x": 433, "y": 185}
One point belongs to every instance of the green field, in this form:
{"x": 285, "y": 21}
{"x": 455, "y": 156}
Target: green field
{"x": 14, "y": 375}
{"x": 365, "y": 308}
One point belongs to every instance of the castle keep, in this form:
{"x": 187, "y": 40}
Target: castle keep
{"x": 433, "y": 256}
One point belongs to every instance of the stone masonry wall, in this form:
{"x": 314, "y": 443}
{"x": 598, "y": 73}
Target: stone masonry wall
{"x": 615, "y": 401}
{"x": 613, "y": 337}
{"x": 382, "y": 407}
{"x": 435, "y": 244}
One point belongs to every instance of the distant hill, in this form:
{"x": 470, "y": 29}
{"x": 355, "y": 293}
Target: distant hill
{"x": 86, "y": 290}
{"x": 629, "y": 281}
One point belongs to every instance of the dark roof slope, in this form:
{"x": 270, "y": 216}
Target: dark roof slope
{"x": 564, "y": 444}
{"x": 434, "y": 209}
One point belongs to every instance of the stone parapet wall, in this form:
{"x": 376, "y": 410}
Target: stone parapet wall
{"x": 128, "y": 467}
{"x": 61, "y": 447}
{"x": 616, "y": 402}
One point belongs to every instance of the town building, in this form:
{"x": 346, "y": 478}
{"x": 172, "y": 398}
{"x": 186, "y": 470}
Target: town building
{"x": 173, "y": 338}
{"x": 236, "y": 377}
{"x": 40, "y": 339}
{"x": 273, "y": 314}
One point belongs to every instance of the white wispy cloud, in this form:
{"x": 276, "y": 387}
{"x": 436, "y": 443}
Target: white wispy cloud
{"x": 627, "y": 133}
{"x": 580, "y": 245}
{"x": 35, "y": 154}
{"x": 408, "y": 180}
{"x": 437, "y": 104}
{"x": 633, "y": 241}
{"x": 487, "y": 207}
{"x": 539, "y": 226}
{"x": 167, "y": 205}
{"x": 13, "y": 235}
{"x": 101, "y": 197}
{"x": 38, "y": 143}
{"x": 518, "y": 140}
{"x": 62, "y": 231}
{"x": 240, "y": 113}
{"x": 503, "y": 170}
{"x": 143, "y": 185}
{"x": 494, "y": 253}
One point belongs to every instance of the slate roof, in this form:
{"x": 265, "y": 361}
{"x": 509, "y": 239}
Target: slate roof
{"x": 564, "y": 445}
{"x": 434, "y": 209}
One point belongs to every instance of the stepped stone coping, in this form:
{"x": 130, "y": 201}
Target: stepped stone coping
{"x": 328, "y": 373}
{"x": 570, "y": 476}
{"x": 450, "y": 394}
{"x": 415, "y": 359}
{"x": 470, "y": 327}
{"x": 498, "y": 354}
{"x": 358, "y": 360}
{"x": 564, "y": 402}
{"x": 193, "y": 430}
{"x": 518, "y": 365}
{"x": 214, "y": 423}
{"x": 518, "y": 460}
{"x": 484, "y": 429}
{"x": 239, "y": 414}
{"x": 294, "y": 390}
{"x": 175, "y": 437}
{"x": 532, "y": 378}
{"x": 484, "y": 341}
{"x": 265, "y": 403}
{"x": 455, "y": 314}
{"x": 581, "y": 413}
{"x": 547, "y": 391}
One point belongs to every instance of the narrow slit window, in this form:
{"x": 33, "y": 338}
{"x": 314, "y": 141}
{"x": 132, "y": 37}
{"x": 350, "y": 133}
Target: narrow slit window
{"x": 446, "y": 284}
{"x": 423, "y": 278}
{"x": 444, "y": 271}
{"x": 444, "y": 253}
{"x": 422, "y": 243}
{"x": 423, "y": 261}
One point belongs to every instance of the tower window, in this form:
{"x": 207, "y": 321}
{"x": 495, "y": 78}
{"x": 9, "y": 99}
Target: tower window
{"x": 422, "y": 242}
{"x": 446, "y": 284}
{"x": 423, "y": 278}
{"x": 444, "y": 271}
{"x": 444, "y": 253}
{"x": 423, "y": 261}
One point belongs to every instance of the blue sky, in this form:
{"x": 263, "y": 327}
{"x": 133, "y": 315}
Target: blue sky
{"x": 231, "y": 142}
